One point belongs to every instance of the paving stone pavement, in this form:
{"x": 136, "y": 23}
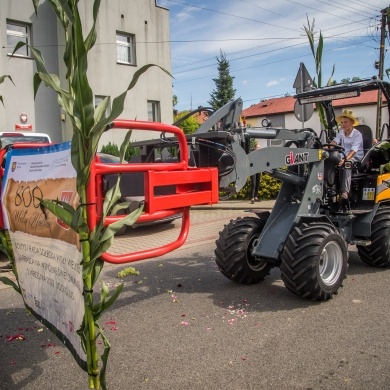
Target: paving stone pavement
{"x": 147, "y": 237}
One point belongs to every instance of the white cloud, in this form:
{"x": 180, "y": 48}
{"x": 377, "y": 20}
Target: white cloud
{"x": 275, "y": 82}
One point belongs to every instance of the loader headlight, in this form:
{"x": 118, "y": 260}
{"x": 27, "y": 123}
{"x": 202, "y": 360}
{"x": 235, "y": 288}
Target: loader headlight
{"x": 266, "y": 122}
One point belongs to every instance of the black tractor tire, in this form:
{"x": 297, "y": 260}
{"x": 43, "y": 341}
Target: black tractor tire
{"x": 233, "y": 252}
{"x": 377, "y": 254}
{"x": 314, "y": 260}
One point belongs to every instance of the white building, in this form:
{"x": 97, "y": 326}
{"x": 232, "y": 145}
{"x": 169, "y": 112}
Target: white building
{"x": 130, "y": 34}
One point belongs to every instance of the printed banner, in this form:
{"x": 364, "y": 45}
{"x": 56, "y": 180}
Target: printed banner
{"x": 47, "y": 252}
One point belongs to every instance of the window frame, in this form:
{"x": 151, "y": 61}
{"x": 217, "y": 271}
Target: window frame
{"x": 155, "y": 110}
{"x": 130, "y": 45}
{"x": 21, "y": 36}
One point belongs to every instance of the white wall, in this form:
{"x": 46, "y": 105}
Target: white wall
{"x": 140, "y": 17}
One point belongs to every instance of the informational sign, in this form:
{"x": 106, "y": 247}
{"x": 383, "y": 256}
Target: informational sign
{"x": 47, "y": 252}
{"x": 19, "y": 126}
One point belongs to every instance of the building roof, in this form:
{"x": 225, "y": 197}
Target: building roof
{"x": 286, "y": 104}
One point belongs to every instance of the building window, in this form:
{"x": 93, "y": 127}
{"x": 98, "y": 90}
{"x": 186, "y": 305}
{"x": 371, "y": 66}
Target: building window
{"x": 18, "y": 32}
{"x": 125, "y": 48}
{"x": 99, "y": 99}
{"x": 154, "y": 111}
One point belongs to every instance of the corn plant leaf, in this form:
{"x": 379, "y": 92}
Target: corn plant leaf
{"x": 118, "y": 207}
{"x": 128, "y": 220}
{"x": 83, "y": 102}
{"x": 35, "y": 4}
{"x": 91, "y": 38}
{"x": 105, "y": 303}
{"x": 61, "y": 210}
{"x": 104, "y": 358}
{"x": 7, "y": 252}
{"x": 59, "y": 12}
{"x": 11, "y": 283}
{"x": 6, "y": 76}
{"x": 118, "y": 105}
{"x": 101, "y": 109}
{"x": 112, "y": 197}
{"x": 88, "y": 267}
{"x": 99, "y": 263}
{"x": 105, "y": 240}
{"x": 63, "y": 5}
{"x": 124, "y": 146}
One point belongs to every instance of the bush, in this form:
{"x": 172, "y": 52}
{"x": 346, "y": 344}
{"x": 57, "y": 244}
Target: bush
{"x": 113, "y": 150}
{"x": 268, "y": 189}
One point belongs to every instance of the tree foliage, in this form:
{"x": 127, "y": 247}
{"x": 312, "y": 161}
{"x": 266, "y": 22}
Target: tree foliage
{"x": 224, "y": 91}
{"x": 189, "y": 125}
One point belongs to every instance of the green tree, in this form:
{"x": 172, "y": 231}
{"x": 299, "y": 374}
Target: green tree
{"x": 189, "y": 125}
{"x": 348, "y": 80}
{"x": 224, "y": 91}
{"x": 174, "y": 100}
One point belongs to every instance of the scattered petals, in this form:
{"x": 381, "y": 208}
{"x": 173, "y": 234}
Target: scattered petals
{"x": 231, "y": 322}
{"x": 183, "y": 315}
{"x": 40, "y": 330}
{"x": 185, "y": 323}
{"x": 57, "y": 352}
{"x": 13, "y": 362}
{"x": 15, "y": 337}
{"x": 110, "y": 323}
{"x": 174, "y": 298}
{"x": 356, "y": 301}
{"x": 243, "y": 358}
{"x": 114, "y": 328}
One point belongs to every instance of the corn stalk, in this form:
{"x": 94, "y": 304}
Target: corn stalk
{"x": 317, "y": 54}
{"x": 88, "y": 126}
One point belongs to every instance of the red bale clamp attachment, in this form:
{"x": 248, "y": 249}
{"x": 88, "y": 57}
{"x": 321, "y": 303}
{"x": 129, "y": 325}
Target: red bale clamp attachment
{"x": 191, "y": 186}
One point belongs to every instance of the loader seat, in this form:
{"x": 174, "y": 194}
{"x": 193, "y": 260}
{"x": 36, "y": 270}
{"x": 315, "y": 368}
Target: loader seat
{"x": 367, "y": 136}
{"x": 363, "y": 166}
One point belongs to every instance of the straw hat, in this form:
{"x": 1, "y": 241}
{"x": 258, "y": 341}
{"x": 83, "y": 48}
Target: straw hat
{"x": 347, "y": 114}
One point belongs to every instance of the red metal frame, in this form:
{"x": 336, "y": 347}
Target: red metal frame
{"x": 193, "y": 186}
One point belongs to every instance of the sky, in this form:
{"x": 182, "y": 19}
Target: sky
{"x": 265, "y": 42}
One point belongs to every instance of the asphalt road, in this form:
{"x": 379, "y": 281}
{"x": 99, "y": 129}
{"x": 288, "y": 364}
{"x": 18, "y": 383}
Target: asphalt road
{"x": 181, "y": 324}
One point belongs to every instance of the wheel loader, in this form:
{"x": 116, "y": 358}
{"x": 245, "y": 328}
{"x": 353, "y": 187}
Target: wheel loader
{"x": 309, "y": 230}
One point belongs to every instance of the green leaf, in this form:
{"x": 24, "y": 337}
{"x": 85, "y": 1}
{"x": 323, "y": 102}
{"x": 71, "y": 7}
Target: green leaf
{"x": 35, "y": 3}
{"x": 61, "y": 210}
{"x": 104, "y": 358}
{"x": 118, "y": 105}
{"x": 11, "y": 283}
{"x": 2, "y": 79}
{"x": 91, "y": 38}
{"x": 128, "y": 220}
{"x": 99, "y": 263}
{"x": 104, "y": 304}
{"x": 124, "y": 146}
{"x": 118, "y": 207}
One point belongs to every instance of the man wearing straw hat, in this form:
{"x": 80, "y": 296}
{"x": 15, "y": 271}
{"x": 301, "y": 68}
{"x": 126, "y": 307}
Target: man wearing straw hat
{"x": 352, "y": 142}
